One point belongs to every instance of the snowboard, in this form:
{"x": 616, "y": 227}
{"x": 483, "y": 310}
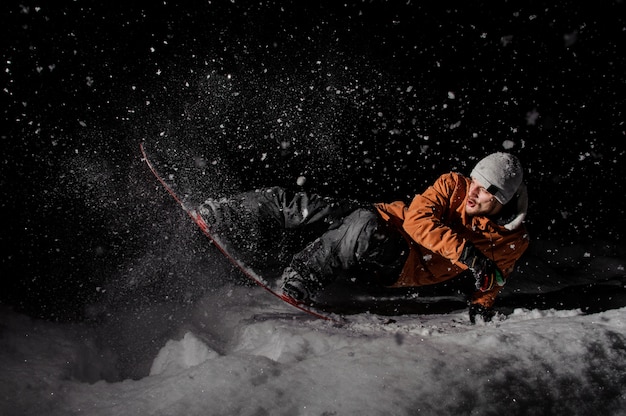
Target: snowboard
{"x": 190, "y": 205}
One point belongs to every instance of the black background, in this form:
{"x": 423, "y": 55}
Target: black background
{"x": 369, "y": 99}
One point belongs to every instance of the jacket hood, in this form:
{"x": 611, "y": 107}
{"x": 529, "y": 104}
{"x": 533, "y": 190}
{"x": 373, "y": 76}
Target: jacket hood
{"x": 514, "y": 212}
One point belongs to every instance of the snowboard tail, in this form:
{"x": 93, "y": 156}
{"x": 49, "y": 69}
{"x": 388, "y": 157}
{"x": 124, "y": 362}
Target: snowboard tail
{"x": 191, "y": 209}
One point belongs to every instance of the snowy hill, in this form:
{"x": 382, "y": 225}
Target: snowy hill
{"x": 239, "y": 351}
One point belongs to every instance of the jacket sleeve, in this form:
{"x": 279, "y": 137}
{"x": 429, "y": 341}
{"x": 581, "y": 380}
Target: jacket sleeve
{"x": 424, "y": 223}
{"x": 487, "y": 298}
{"x": 506, "y": 264}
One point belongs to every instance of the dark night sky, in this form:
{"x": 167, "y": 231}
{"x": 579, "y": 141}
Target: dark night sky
{"x": 374, "y": 98}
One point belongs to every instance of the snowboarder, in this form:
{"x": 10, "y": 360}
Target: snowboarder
{"x": 469, "y": 229}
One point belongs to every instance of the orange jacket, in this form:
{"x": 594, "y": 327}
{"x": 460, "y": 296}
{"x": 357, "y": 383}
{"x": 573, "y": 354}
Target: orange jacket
{"x": 437, "y": 227}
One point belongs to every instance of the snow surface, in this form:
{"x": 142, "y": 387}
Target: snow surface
{"x": 240, "y": 351}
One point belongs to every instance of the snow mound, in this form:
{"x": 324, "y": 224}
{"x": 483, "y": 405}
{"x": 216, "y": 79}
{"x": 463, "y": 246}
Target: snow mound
{"x": 176, "y": 356}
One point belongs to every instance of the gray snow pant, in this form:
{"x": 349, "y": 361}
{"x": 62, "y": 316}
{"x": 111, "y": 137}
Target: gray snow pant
{"x": 321, "y": 238}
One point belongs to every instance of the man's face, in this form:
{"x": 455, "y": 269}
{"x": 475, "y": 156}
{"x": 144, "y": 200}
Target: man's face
{"x": 480, "y": 202}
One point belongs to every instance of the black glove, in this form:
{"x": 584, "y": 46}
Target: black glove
{"x": 477, "y": 309}
{"x": 484, "y": 270}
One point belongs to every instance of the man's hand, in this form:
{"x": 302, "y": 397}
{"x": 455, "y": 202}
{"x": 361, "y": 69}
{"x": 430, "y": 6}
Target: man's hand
{"x": 485, "y": 271}
{"x": 476, "y": 309}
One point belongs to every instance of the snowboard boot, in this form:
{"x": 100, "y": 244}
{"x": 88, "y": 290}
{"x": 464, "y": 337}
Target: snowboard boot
{"x": 295, "y": 286}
